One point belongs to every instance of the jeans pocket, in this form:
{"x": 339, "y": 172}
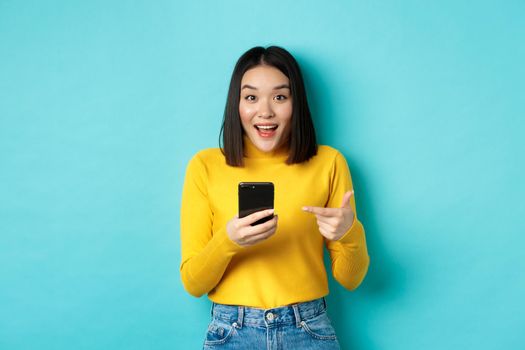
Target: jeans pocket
{"x": 219, "y": 332}
{"x": 319, "y": 327}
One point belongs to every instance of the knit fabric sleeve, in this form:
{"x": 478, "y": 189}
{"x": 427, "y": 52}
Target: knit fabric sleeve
{"x": 205, "y": 254}
{"x": 349, "y": 255}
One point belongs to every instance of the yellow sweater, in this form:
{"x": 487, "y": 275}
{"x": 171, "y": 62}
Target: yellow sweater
{"x": 288, "y": 267}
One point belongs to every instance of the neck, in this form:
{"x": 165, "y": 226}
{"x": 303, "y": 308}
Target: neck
{"x": 251, "y": 151}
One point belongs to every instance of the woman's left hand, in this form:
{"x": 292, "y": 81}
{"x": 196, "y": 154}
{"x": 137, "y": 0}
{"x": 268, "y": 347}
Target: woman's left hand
{"x": 334, "y": 222}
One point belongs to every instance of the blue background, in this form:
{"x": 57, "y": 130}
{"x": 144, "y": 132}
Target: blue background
{"x": 102, "y": 103}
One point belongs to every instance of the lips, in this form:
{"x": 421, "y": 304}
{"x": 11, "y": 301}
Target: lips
{"x": 266, "y": 130}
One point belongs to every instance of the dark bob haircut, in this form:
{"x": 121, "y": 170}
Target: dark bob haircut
{"x": 302, "y": 142}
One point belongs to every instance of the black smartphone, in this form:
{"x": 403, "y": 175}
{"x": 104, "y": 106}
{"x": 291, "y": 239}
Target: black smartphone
{"x": 255, "y": 196}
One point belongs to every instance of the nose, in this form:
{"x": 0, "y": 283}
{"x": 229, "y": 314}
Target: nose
{"x": 266, "y": 110}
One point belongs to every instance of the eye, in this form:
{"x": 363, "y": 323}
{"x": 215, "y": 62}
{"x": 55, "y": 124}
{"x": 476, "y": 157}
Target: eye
{"x": 280, "y": 97}
{"x": 249, "y": 98}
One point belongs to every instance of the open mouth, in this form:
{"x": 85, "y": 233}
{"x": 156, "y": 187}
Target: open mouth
{"x": 266, "y": 127}
{"x": 266, "y": 130}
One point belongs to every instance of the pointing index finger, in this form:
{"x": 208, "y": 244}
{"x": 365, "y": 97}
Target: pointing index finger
{"x": 319, "y": 211}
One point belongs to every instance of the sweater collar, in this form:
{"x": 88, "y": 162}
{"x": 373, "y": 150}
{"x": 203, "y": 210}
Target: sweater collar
{"x": 251, "y": 151}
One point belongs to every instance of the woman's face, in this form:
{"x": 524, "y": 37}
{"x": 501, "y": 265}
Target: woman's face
{"x": 266, "y": 107}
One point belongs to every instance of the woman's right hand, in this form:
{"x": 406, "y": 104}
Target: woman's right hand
{"x": 241, "y": 232}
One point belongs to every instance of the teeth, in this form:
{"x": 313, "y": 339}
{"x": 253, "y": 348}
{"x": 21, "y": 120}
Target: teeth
{"x": 266, "y": 127}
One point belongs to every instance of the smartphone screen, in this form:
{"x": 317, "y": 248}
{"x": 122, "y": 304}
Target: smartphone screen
{"x": 255, "y": 196}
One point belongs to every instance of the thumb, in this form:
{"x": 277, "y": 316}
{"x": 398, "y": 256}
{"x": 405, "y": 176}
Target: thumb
{"x": 346, "y": 199}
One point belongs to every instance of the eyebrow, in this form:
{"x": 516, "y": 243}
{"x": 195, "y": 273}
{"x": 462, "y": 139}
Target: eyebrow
{"x": 282, "y": 86}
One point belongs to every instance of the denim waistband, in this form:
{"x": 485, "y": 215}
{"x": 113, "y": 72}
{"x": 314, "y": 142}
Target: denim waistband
{"x": 291, "y": 314}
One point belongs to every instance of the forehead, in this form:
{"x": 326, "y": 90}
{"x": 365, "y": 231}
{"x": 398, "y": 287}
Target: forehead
{"x": 264, "y": 75}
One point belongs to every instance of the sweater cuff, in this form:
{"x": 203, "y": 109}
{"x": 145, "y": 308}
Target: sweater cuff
{"x": 349, "y": 236}
{"x": 229, "y": 246}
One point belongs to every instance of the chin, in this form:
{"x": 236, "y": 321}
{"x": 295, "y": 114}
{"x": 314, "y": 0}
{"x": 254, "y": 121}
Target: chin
{"x": 266, "y": 146}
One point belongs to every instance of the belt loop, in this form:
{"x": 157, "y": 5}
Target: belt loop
{"x": 324, "y": 303}
{"x": 211, "y": 309}
{"x": 297, "y": 315}
{"x": 240, "y": 316}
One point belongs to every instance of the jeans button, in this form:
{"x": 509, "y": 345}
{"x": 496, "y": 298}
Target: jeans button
{"x": 270, "y": 316}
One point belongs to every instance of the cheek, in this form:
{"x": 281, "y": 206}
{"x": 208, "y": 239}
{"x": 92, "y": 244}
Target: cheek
{"x": 246, "y": 116}
{"x": 245, "y": 112}
{"x": 286, "y": 115}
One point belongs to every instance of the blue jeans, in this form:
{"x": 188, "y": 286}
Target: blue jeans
{"x": 304, "y": 326}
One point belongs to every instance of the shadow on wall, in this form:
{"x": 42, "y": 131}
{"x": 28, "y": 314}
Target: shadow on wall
{"x": 386, "y": 278}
